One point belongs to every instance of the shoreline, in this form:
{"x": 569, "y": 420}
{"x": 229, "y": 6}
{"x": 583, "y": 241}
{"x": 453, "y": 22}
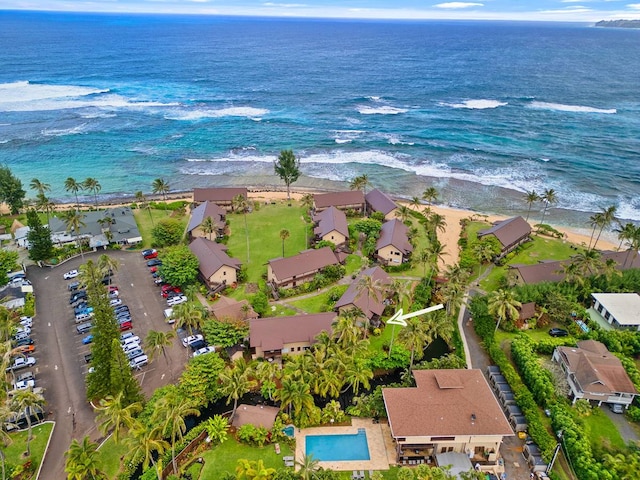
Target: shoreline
{"x": 449, "y": 238}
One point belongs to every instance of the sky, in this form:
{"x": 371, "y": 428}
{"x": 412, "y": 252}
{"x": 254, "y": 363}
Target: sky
{"x": 534, "y": 10}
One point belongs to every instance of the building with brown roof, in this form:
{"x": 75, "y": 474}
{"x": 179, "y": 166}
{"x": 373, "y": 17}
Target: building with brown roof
{"x": 552, "y": 271}
{"x": 351, "y": 200}
{"x": 595, "y": 374}
{"x": 447, "y": 411}
{"x": 393, "y": 246}
{"x": 301, "y": 268}
{"x": 221, "y": 196}
{"x": 276, "y": 336}
{"x": 256, "y": 415}
{"x": 378, "y": 201}
{"x": 227, "y": 309}
{"x": 200, "y": 213}
{"x": 370, "y": 306}
{"x": 511, "y": 233}
{"x": 331, "y": 226}
{"x": 215, "y": 266}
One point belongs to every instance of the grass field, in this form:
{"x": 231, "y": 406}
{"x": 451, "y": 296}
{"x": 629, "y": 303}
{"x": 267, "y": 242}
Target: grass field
{"x": 602, "y": 432}
{"x": 110, "y": 454}
{"x": 13, "y": 453}
{"x": 147, "y": 221}
{"x": 224, "y": 458}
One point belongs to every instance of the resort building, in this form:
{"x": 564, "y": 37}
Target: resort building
{"x": 449, "y": 412}
{"x": 220, "y": 196}
{"x": 620, "y": 310}
{"x": 511, "y": 233}
{"x": 215, "y": 266}
{"x": 273, "y": 337}
{"x": 593, "y": 373}
{"x": 301, "y": 268}
{"x": 370, "y": 306}
{"x": 378, "y": 201}
{"x": 351, "y": 200}
{"x": 331, "y": 226}
{"x": 393, "y": 246}
{"x": 256, "y": 415}
{"x": 203, "y": 211}
{"x": 227, "y": 309}
{"x": 101, "y": 228}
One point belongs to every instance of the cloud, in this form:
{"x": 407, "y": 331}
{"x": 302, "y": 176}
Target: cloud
{"x": 284, "y": 5}
{"x": 568, "y": 10}
{"x": 634, "y": 6}
{"x": 458, "y": 5}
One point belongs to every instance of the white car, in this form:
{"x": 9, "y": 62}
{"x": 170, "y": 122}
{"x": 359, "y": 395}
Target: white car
{"x": 204, "y": 351}
{"x": 24, "y": 384}
{"x": 23, "y": 330}
{"x": 70, "y": 274}
{"x": 22, "y": 362}
{"x": 129, "y": 339}
{"x": 139, "y": 362}
{"x": 26, "y": 321}
{"x": 130, "y": 347}
{"x": 114, "y": 302}
{"x": 177, "y": 300}
{"x": 186, "y": 341}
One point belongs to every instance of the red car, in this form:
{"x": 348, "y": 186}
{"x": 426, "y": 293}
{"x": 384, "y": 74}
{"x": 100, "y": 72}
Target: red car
{"x": 113, "y": 288}
{"x": 151, "y": 255}
{"x": 126, "y": 326}
{"x": 153, "y": 269}
{"x": 169, "y": 288}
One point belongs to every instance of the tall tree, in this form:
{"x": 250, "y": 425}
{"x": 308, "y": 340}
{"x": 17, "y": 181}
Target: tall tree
{"x": 73, "y": 220}
{"x": 430, "y": 195}
{"x": 403, "y": 213}
{"x": 157, "y": 342}
{"x": 416, "y": 336}
{"x": 207, "y": 226}
{"x": 5, "y": 438}
{"x": 114, "y": 414}
{"x": 27, "y": 401}
{"x": 11, "y": 191}
{"x": 284, "y": 234}
{"x": 161, "y": 186}
{"x": 188, "y": 315}
{"x": 82, "y": 461}
{"x": 504, "y": 306}
{"x": 179, "y": 266}
{"x": 235, "y": 381}
{"x": 92, "y": 185}
{"x": 39, "y": 238}
{"x": 531, "y": 198}
{"x": 40, "y": 187}
{"x": 549, "y": 197}
{"x": 142, "y": 442}
{"x": 294, "y": 395}
{"x": 287, "y": 167}
{"x": 608, "y": 217}
{"x": 374, "y": 290}
{"x": 308, "y": 467}
{"x": 483, "y": 252}
{"x": 142, "y": 202}
{"x": 360, "y": 182}
{"x": 239, "y": 203}
{"x": 73, "y": 186}
{"x": 625, "y": 232}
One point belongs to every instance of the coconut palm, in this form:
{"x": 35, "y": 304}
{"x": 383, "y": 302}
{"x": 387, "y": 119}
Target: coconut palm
{"x": 594, "y": 221}
{"x": 294, "y": 396}
{"x": 284, "y": 234}
{"x": 287, "y": 167}
{"x": 114, "y": 414}
{"x": 625, "y": 232}
{"x": 73, "y": 220}
{"x": 142, "y": 442}
{"x": 161, "y": 186}
{"x": 549, "y": 197}
{"x": 82, "y": 461}
{"x": 345, "y": 329}
{"x": 403, "y": 213}
{"x": 235, "y": 381}
{"x": 588, "y": 263}
{"x": 504, "y": 306}
{"x": 373, "y": 290}
{"x": 430, "y": 195}
{"x": 188, "y": 315}
{"x": 107, "y": 264}
{"x": 415, "y": 337}
{"x": 437, "y": 222}
{"x": 157, "y": 342}
{"x": 608, "y": 216}
{"x": 483, "y": 253}
{"x": 239, "y": 203}
{"x": 531, "y": 198}
{"x": 359, "y": 183}
{"x": 92, "y": 185}
{"x": 142, "y": 203}
{"x": 208, "y": 227}
{"x": 357, "y": 373}
{"x": 308, "y": 466}
{"x": 267, "y": 374}
{"x": 73, "y": 186}
{"x": 39, "y": 186}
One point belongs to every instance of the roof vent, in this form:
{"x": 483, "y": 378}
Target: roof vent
{"x": 473, "y": 417}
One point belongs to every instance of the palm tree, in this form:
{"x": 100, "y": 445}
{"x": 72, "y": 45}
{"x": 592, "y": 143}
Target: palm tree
{"x": 240, "y": 203}
{"x": 188, "y": 315}
{"x": 44, "y": 204}
{"x": 360, "y": 183}
{"x": 549, "y": 197}
{"x": 588, "y": 263}
{"x": 415, "y": 337}
{"x": 344, "y": 328}
{"x": 357, "y": 373}
{"x": 82, "y": 461}
{"x": 92, "y": 185}
{"x": 114, "y": 414}
{"x": 141, "y": 200}
{"x": 294, "y": 395}
{"x": 73, "y": 221}
{"x": 284, "y": 234}
{"x": 374, "y": 290}
{"x": 483, "y": 253}
{"x": 142, "y": 442}
{"x": 608, "y": 217}
{"x": 625, "y": 232}
{"x": 157, "y": 342}
{"x": 594, "y": 221}
{"x": 437, "y": 222}
{"x": 107, "y": 264}
{"x": 504, "y": 306}
{"x": 5, "y": 439}
{"x": 308, "y": 466}
{"x": 430, "y": 195}
{"x": 207, "y": 226}
{"x": 161, "y": 186}
{"x": 39, "y": 186}
{"x": 73, "y": 186}
{"x": 403, "y": 213}
{"x": 531, "y": 198}
{"x": 235, "y": 381}
{"x": 287, "y": 167}
{"x": 253, "y": 470}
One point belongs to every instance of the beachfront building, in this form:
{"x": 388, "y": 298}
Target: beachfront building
{"x": 273, "y": 337}
{"x": 346, "y": 201}
{"x": 393, "y": 246}
{"x": 595, "y": 374}
{"x": 100, "y": 228}
{"x": 216, "y": 268}
{"x": 511, "y": 233}
{"x": 378, "y": 201}
{"x": 223, "y": 197}
{"x": 293, "y": 271}
{"x": 331, "y": 226}
{"x": 226, "y": 309}
{"x": 620, "y": 310}
{"x": 449, "y": 417}
{"x": 203, "y": 211}
{"x": 370, "y": 306}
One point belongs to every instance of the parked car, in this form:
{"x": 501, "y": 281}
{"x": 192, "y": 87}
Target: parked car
{"x": 197, "y": 345}
{"x": 24, "y": 384}
{"x": 173, "y": 301}
{"x": 88, "y": 339}
{"x": 134, "y": 353}
{"x": 126, "y": 326}
{"x": 122, "y": 320}
{"x": 84, "y": 328}
{"x": 81, "y": 295}
{"x": 186, "y": 341}
{"x": 23, "y": 330}
{"x": 70, "y": 274}
{"x": 139, "y": 362}
{"x": 112, "y": 288}
{"x": 121, "y": 308}
{"x": 558, "y": 332}
{"x": 151, "y": 255}
{"x": 128, "y": 347}
{"x": 616, "y": 408}
{"x": 23, "y": 341}
{"x": 24, "y": 349}
{"x": 114, "y": 294}
{"x": 158, "y": 281}
{"x": 129, "y": 339}
{"x": 86, "y": 311}
{"x": 154, "y": 263}
{"x": 126, "y": 336}
{"x": 22, "y": 362}
{"x": 18, "y": 336}
{"x": 166, "y": 289}
{"x": 114, "y": 302}
{"x": 148, "y": 252}
{"x": 73, "y": 286}
{"x": 83, "y": 317}
{"x": 204, "y": 351}
{"x": 26, "y": 321}
{"x": 25, "y": 376}
{"x": 88, "y": 357}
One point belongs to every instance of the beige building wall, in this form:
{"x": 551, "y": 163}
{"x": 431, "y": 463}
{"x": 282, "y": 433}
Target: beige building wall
{"x": 223, "y": 274}
{"x": 335, "y": 237}
{"x": 295, "y": 348}
{"x": 270, "y": 276}
{"x": 391, "y": 215}
{"x": 390, "y": 254}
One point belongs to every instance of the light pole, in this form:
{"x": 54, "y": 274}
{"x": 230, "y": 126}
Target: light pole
{"x": 555, "y": 452}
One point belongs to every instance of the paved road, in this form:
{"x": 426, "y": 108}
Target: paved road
{"x": 61, "y": 367}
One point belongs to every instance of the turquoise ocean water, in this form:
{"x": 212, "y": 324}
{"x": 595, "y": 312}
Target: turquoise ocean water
{"x": 482, "y": 110}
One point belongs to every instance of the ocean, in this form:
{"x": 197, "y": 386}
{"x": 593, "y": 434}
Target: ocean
{"x": 483, "y": 111}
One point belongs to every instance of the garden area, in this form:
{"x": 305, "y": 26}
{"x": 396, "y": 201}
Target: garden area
{"x": 16, "y": 464}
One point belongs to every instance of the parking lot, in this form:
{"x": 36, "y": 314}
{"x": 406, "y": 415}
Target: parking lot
{"x": 61, "y": 365}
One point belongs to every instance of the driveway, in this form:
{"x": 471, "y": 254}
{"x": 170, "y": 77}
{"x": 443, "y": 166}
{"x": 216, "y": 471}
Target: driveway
{"x": 61, "y": 367}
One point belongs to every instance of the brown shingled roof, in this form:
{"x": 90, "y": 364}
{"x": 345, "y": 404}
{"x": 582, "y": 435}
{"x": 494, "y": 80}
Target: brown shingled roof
{"x": 217, "y": 194}
{"x": 212, "y": 256}
{"x": 257, "y": 415}
{"x": 226, "y": 308}
{"x": 273, "y": 332}
{"x": 509, "y": 231}
{"x": 442, "y": 404}
{"x": 380, "y": 201}
{"x": 330, "y": 220}
{"x": 369, "y": 306}
{"x": 394, "y": 232}
{"x": 339, "y": 199}
{"x": 307, "y": 261}
{"x": 207, "y": 209}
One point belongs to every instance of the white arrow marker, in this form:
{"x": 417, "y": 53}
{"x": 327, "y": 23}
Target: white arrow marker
{"x": 145, "y": 314}
{"x": 399, "y": 319}
{"x": 48, "y": 324}
{"x": 162, "y": 377}
{"x": 55, "y": 367}
{"x": 69, "y": 410}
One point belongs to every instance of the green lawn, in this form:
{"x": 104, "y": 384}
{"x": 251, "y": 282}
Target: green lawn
{"x": 146, "y": 222}
{"x": 110, "y": 454}
{"x": 264, "y": 227}
{"x": 602, "y": 432}
{"x": 224, "y": 458}
{"x": 13, "y": 452}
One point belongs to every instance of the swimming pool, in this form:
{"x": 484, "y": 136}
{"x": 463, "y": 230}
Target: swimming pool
{"x": 331, "y": 448}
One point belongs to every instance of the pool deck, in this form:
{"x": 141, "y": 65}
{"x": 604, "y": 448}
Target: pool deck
{"x": 377, "y": 433}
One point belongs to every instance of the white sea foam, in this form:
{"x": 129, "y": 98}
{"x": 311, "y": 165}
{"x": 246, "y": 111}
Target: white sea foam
{"x": 199, "y": 114}
{"x": 347, "y": 136}
{"x": 59, "y": 132}
{"x": 383, "y": 110}
{"x": 570, "y": 108}
{"x": 98, "y": 115}
{"x": 480, "y": 104}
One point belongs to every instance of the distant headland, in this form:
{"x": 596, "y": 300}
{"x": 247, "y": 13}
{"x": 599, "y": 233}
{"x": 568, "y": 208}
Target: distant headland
{"x": 619, "y": 23}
